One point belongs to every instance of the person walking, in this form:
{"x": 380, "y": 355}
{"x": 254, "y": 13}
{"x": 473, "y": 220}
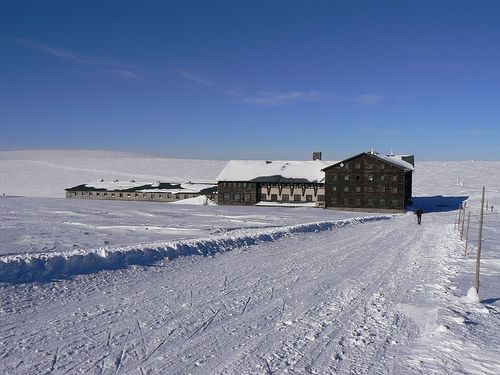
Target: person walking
{"x": 419, "y": 213}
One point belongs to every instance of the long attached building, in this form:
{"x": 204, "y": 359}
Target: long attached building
{"x": 141, "y": 191}
{"x": 248, "y": 182}
{"x": 370, "y": 181}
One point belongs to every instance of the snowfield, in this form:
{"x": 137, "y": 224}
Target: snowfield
{"x": 146, "y": 288}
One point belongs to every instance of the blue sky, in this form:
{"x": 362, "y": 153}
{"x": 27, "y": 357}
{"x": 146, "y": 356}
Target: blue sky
{"x": 252, "y": 79}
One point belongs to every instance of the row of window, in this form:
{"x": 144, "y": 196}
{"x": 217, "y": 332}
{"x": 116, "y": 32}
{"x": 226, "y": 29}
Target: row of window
{"x": 237, "y": 184}
{"x": 367, "y": 166}
{"x": 369, "y": 177}
{"x": 236, "y": 197}
{"x": 369, "y": 202}
{"x": 132, "y": 195}
{"x": 370, "y": 189}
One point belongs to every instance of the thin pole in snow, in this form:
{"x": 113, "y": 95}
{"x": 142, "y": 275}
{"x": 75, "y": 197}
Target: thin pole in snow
{"x": 478, "y": 259}
{"x": 463, "y": 223}
{"x": 467, "y": 233}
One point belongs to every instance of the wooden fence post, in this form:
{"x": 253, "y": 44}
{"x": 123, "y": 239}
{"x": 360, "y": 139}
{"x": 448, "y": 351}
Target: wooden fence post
{"x": 463, "y": 223}
{"x": 467, "y": 233}
{"x": 478, "y": 258}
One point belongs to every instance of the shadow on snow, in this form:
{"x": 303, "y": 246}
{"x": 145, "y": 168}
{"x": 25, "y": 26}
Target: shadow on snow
{"x": 437, "y": 203}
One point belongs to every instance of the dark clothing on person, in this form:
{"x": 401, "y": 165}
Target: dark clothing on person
{"x": 419, "y": 213}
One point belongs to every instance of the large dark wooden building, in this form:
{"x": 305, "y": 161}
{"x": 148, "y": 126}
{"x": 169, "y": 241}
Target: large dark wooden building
{"x": 370, "y": 181}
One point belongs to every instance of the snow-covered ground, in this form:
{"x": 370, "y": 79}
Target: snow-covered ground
{"x": 257, "y": 290}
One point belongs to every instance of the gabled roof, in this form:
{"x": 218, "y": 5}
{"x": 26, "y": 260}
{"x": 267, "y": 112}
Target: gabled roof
{"x": 394, "y": 160}
{"x": 273, "y": 171}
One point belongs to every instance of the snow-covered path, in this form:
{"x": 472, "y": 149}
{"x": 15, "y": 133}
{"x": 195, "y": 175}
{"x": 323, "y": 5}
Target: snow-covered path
{"x": 322, "y": 303}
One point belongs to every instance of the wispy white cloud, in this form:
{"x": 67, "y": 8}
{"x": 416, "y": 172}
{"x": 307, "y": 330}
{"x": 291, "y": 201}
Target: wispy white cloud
{"x": 263, "y": 98}
{"x": 108, "y": 68}
{"x": 368, "y": 100}
{"x": 190, "y": 76}
{"x": 272, "y": 98}
{"x": 476, "y": 132}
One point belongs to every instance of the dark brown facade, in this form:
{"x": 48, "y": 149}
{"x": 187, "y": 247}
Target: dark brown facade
{"x": 367, "y": 181}
{"x": 238, "y": 193}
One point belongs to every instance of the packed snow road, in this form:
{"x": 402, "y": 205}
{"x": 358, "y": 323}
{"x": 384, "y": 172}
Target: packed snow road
{"x": 319, "y": 303}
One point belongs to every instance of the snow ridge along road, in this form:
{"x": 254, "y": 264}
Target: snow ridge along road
{"x": 34, "y": 267}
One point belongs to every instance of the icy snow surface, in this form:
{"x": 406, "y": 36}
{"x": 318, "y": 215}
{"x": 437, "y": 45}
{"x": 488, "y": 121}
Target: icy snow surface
{"x": 247, "y": 290}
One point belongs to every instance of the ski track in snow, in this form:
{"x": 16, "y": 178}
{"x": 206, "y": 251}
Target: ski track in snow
{"x": 319, "y": 303}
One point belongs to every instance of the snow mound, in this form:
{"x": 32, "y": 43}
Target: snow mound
{"x": 201, "y": 200}
{"x": 471, "y": 297}
{"x": 50, "y": 266}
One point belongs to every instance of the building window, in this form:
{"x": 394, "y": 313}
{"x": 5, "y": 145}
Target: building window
{"x": 160, "y": 196}
{"x": 144, "y": 195}
{"x": 105, "y": 194}
{"x": 98, "y": 194}
{"x": 152, "y": 196}
{"x": 382, "y": 202}
{"x": 285, "y": 197}
{"x": 246, "y": 197}
{"x": 358, "y": 189}
{"x": 121, "y": 195}
{"x": 369, "y": 189}
{"x": 296, "y": 197}
{"x": 358, "y": 177}
{"x": 346, "y": 188}
{"x": 382, "y": 166}
{"x": 334, "y": 176}
{"x": 357, "y": 166}
{"x": 274, "y": 197}
{"x": 370, "y": 177}
{"x": 346, "y": 201}
{"x": 394, "y": 177}
{"x": 309, "y": 198}
{"x": 236, "y": 197}
{"x": 369, "y": 202}
{"x": 394, "y": 202}
{"x": 90, "y": 193}
{"x": 137, "y": 195}
{"x": 369, "y": 166}
{"x": 357, "y": 202}
{"x": 334, "y": 188}
{"x": 394, "y": 190}
{"x": 112, "y": 195}
{"x": 346, "y": 177}
{"x": 227, "y": 197}
{"x": 321, "y": 198}
{"x": 382, "y": 177}
{"x": 74, "y": 193}
{"x": 382, "y": 188}
{"x": 334, "y": 201}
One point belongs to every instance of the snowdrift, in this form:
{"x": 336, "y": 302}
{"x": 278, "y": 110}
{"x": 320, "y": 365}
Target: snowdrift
{"x": 52, "y": 266}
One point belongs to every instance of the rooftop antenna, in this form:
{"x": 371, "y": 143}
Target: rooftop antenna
{"x": 392, "y": 152}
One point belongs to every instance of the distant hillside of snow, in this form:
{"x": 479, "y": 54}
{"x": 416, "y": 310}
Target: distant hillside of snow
{"x": 46, "y": 173}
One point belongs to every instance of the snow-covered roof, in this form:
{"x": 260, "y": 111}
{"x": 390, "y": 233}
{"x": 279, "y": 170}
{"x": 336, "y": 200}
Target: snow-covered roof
{"x": 396, "y": 159}
{"x": 145, "y": 187}
{"x": 262, "y": 170}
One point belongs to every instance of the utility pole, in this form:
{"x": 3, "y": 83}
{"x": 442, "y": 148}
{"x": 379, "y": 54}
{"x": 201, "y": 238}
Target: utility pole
{"x": 478, "y": 259}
